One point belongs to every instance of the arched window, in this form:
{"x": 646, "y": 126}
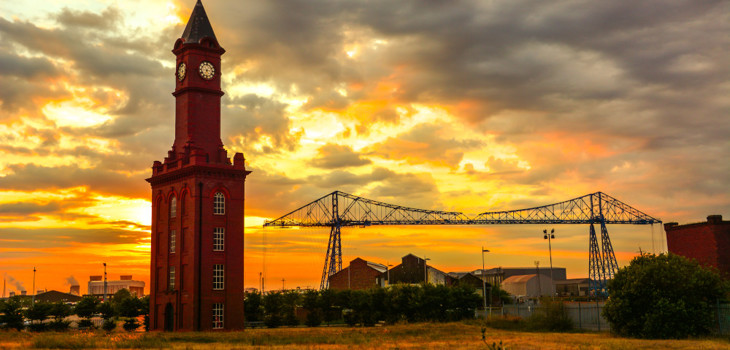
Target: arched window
{"x": 173, "y": 207}
{"x": 219, "y": 204}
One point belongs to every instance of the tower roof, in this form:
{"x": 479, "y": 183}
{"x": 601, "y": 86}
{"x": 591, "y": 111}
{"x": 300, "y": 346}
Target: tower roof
{"x": 198, "y": 26}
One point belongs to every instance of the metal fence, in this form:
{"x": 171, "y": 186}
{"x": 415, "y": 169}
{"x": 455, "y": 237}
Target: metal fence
{"x": 588, "y": 315}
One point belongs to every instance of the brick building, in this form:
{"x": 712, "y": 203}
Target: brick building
{"x": 196, "y": 270}
{"x": 361, "y": 274}
{"x": 707, "y": 242}
{"x": 412, "y": 270}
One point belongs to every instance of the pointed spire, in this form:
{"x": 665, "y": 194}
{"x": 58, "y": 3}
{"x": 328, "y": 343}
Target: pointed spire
{"x": 198, "y": 26}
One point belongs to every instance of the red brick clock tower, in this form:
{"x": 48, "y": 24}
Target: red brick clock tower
{"x": 196, "y": 273}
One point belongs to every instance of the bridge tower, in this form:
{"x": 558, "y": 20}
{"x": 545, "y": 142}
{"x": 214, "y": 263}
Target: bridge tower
{"x": 196, "y": 272}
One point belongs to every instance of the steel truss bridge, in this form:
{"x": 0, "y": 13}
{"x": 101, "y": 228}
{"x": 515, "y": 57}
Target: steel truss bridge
{"x": 339, "y": 209}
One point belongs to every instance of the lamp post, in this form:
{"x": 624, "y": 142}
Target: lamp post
{"x": 105, "y": 282}
{"x": 484, "y": 280}
{"x": 549, "y": 238}
{"x": 34, "y": 291}
{"x": 387, "y": 272}
{"x": 425, "y": 270}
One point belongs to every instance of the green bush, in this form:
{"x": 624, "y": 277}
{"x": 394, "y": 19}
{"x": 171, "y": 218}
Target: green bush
{"x": 86, "y": 324}
{"x": 551, "y": 316}
{"x": 11, "y": 315}
{"x": 663, "y": 296}
{"x": 130, "y": 324}
{"x": 59, "y": 325}
{"x": 109, "y": 324}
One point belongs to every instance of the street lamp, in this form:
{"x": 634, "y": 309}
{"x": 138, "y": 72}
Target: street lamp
{"x": 484, "y": 280}
{"x": 105, "y": 282}
{"x": 387, "y": 272}
{"x": 425, "y": 270}
{"x": 549, "y": 238}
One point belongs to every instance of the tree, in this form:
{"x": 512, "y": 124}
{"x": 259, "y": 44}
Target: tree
{"x": 663, "y": 296}
{"x": 86, "y": 308}
{"x": 106, "y": 310}
{"x": 11, "y": 314}
{"x": 252, "y": 307}
{"x": 38, "y": 312}
{"x": 59, "y": 311}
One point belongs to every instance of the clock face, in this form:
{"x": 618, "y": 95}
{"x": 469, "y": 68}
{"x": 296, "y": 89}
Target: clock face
{"x": 181, "y": 71}
{"x": 206, "y": 70}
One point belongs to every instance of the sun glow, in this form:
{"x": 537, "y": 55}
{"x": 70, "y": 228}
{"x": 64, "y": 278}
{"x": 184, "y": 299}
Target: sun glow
{"x": 71, "y": 113}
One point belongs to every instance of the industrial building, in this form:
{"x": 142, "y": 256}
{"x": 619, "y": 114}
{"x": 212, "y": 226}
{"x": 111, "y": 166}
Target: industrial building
{"x": 96, "y": 286}
{"x": 707, "y": 242}
{"x": 529, "y": 286}
{"x": 361, "y": 274}
{"x": 412, "y": 270}
{"x": 498, "y": 274}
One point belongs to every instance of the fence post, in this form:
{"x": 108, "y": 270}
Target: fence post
{"x": 719, "y": 322}
{"x": 580, "y": 314}
{"x": 598, "y": 315}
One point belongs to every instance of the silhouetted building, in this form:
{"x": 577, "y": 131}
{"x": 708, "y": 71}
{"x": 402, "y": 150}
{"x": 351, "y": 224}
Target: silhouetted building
{"x": 196, "y": 270}
{"x": 413, "y": 270}
{"x": 54, "y": 296}
{"x": 707, "y": 242}
{"x": 96, "y": 286}
{"x": 361, "y": 274}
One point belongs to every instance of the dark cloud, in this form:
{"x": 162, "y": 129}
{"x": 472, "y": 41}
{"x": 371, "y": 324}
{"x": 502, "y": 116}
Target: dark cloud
{"x": 25, "y": 208}
{"x": 107, "y": 19}
{"x": 33, "y": 177}
{"x": 425, "y": 143}
{"x": 63, "y": 237}
{"x": 252, "y": 117}
{"x": 333, "y": 156}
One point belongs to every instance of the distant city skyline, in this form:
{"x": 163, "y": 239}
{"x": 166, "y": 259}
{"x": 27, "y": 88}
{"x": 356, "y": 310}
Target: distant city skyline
{"x": 461, "y": 105}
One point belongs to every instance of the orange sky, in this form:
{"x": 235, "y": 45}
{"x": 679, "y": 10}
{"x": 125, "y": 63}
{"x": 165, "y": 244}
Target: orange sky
{"x": 462, "y": 105}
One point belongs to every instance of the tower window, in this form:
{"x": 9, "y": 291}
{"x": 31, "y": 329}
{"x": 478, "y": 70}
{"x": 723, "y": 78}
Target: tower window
{"x": 171, "y": 278}
{"x": 173, "y": 207}
{"x": 219, "y": 204}
{"x": 172, "y": 241}
{"x": 217, "y": 315}
{"x": 219, "y": 236}
{"x": 218, "y": 277}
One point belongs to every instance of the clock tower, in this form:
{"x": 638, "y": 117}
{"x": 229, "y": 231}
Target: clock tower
{"x": 196, "y": 272}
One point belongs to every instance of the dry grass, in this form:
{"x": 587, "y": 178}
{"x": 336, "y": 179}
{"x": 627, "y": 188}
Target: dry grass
{"x": 450, "y": 336}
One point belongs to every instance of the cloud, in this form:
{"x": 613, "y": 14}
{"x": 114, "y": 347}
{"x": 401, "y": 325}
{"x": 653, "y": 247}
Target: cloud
{"x": 425, "y": 143}
{"x": 332, "y": 156}
{"x": 29, "y": 177}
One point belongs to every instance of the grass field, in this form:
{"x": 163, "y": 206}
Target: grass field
{"x": 408, "y": 336}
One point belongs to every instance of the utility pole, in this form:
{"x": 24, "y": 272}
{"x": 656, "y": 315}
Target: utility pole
{"x": 549, "y": 238}
{"x": 105, "y": 283}
{"x": 282, "y": 284}
{"x": 425, "y": 270}
{"x": 539, "y": 285}
{"x": 33, "y": 291}
{"x": 484, "y": 280}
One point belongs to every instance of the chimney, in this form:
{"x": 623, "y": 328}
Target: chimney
{"x": 714, "y": 219}
{"x": 12, "y": 294}
{"x": 23, "y": 292}
{"x": 95, "y": 278}
{"x": 75, "y": 290}
{"x": 125, "y": 277}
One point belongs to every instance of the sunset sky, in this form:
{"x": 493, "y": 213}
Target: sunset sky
{"x": 452, "y": 105}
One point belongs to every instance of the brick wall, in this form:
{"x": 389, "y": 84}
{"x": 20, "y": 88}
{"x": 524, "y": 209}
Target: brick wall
{"x": 356, "y": 276}
{"x": 707, "y": 242}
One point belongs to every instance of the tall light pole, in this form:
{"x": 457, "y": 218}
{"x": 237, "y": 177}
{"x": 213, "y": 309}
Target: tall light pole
{"x": 549, "y": 238}
{"x": 425, "y": 270}
{"x": 387, "y": 272}
{"x": 484, "y": 280}
{"x": 33, "y": 291}
{"x": 105, "y": 282}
